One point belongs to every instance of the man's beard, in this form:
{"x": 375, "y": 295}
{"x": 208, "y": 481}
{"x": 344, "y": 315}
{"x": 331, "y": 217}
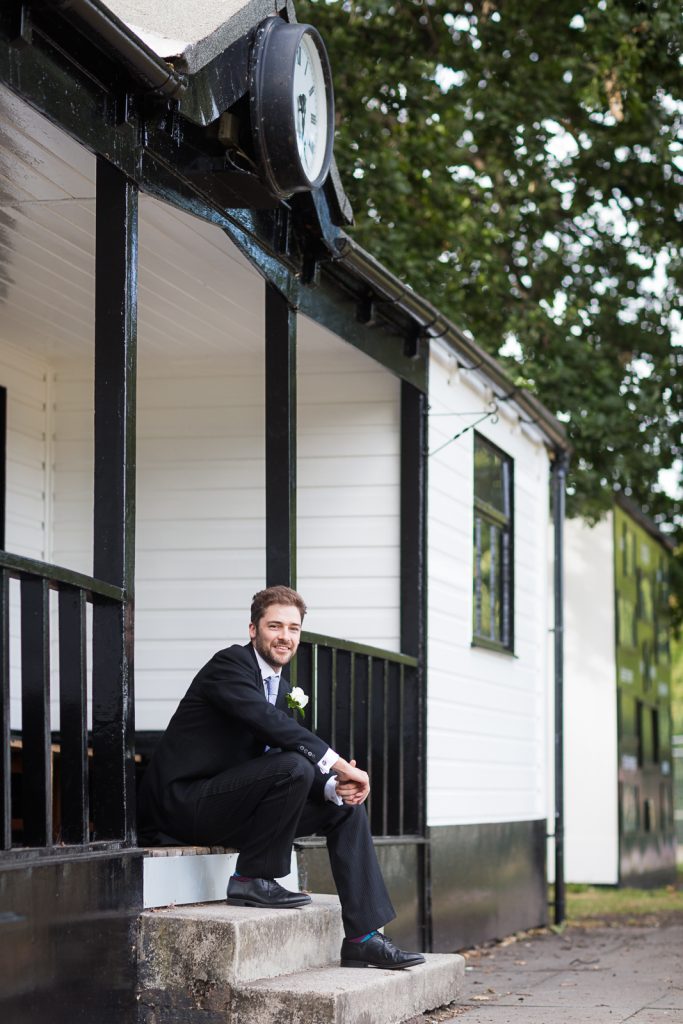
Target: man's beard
{"x": 268, "y": 654}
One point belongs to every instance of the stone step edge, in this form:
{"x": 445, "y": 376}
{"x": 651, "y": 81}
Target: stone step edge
{"x": 177, "y": 945}
{"x": 336, "y": 995}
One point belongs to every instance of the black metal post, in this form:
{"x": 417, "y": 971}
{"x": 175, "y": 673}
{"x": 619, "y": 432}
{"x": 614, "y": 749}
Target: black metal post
{"x": 280, "y": 440}
{"x": 5, "y": 753}
{"x": 114, "y": 518}
{"x": 559, "y": 481}
{"x": 413, "y": 600}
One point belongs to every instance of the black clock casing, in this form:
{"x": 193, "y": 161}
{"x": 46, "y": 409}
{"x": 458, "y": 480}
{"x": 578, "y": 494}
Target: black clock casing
{"x": 272, "y": 106}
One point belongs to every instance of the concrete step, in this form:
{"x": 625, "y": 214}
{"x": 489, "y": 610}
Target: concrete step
{"x": 221, "y": 946}
{"x": 215, "y": 964}
{"x": 342, "y": 995}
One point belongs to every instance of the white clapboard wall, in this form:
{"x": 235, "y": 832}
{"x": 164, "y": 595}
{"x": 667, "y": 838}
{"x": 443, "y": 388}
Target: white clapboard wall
{"x": 200, "y": 551}
{"x": 487, "y": 711}
{"x": 26, "y": 379}
{"x": 590, "y": 705}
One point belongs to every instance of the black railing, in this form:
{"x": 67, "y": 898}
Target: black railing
{"x": 41, "y": 806}
{"x": 365, "y": 702}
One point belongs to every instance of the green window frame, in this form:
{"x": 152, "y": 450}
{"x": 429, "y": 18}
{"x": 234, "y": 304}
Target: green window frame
{"x": 493, "y": 548}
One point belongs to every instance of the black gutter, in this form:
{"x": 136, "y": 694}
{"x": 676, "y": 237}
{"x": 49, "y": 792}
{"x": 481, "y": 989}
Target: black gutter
{"x": 155, "y": 73}
{"x": 435, "y": 325}
{"x": 559, "y": 482}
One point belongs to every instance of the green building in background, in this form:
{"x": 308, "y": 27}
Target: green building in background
{"x": 677, "y": 738}
{"x": 643, "y": 654}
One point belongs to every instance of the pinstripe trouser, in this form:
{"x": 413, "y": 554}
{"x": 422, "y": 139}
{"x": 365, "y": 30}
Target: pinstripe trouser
{"x": 260, "y": 806}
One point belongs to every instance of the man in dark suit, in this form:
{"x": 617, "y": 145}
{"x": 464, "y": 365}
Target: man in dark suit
{"x": 235, "y": 768}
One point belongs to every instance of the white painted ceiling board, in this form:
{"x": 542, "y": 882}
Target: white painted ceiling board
{"x": 199, "y": 297}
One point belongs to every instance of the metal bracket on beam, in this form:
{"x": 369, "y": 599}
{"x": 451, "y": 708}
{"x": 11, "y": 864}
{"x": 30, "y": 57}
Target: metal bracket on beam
{"x": 23, "y": 31}
{"x": 366, "y": 310}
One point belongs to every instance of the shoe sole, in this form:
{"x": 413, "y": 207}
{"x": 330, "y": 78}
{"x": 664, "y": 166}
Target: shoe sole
{"x": 380, "y": 967}
{"x": 267, "y": 906}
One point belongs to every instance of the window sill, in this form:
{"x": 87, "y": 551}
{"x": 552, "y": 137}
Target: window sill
{"x": 491, "y": 645}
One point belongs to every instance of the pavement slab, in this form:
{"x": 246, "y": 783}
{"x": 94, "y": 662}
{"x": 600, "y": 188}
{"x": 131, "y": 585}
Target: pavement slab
{"x": 616, "y": 974}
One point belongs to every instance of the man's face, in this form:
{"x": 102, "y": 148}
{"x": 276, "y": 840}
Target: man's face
{"x": 277, "y": 635}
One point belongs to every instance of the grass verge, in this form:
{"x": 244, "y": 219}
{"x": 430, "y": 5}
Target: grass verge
{"x": 589, "y": 902}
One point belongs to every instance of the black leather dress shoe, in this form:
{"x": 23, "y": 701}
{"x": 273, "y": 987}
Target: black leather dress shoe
{"x": 377, "y": 951}
{"x": 263, "y": 892}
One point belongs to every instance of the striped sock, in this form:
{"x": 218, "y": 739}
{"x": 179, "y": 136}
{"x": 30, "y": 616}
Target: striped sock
{"x": 364, "y": 938}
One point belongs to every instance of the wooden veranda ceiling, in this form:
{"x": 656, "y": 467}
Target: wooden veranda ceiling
{"x": 199, "y": 297}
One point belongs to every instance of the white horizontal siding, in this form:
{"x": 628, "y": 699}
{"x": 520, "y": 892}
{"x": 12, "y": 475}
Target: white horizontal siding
{"x": 487, "y": 711}
{"x": 26, "y": 532}
{"x": 200, "y": 526}
{"x": 590, "y": 705}
{"x": 348, "y": 490}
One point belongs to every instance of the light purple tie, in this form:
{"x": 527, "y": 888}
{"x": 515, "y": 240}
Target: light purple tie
{"x": 273, "y": 685}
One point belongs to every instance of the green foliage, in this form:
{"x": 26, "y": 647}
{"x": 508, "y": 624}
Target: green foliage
{"x": 520, "y": 165}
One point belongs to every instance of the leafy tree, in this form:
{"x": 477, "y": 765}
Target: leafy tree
{"x": 520, "y": 164}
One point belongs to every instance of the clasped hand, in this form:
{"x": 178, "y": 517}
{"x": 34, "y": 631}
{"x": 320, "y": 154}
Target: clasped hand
{"x": 353, "y": 784}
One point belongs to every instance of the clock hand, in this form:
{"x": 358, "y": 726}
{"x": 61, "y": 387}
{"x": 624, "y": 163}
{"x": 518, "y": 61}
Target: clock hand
{"x": 302, "y": 112}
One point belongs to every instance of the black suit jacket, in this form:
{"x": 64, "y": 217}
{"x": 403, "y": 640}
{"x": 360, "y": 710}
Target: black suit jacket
{"x": 223, "y": 720}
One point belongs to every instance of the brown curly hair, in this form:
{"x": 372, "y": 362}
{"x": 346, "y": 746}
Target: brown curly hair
{"x": 275, "y": 595}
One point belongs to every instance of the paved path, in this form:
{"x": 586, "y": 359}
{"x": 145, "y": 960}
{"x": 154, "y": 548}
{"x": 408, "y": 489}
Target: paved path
{"x": 602, "y": 975}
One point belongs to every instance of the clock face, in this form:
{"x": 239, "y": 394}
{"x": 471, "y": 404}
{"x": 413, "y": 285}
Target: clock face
{"x": 310, "y": 107}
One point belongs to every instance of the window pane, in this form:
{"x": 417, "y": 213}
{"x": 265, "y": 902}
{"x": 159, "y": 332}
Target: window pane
{"x": 491, "y": 596}
{"x": 493, "y": 604}
{"x": 489, "y": 484}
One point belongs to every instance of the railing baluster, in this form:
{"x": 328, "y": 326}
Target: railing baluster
{"x": 352, "y": 708}
{"x": 35, "y": 688}
{"x": 324, "y": 693}
{"x": 5, "y": 719}
{"x": 368, "y": 732}
{"x": 411, "y": 746}
{"x": 385, "y": 750}
{"x": 378, "y": 745}
{"x": 342, "y": 703}
{"x": 333, "y": 698}
{"x": 401, "y": 746}
{"x": 73, "y": 717}
{"x": 365, "y": 703}
{"x": 394, "y": 748}
{"x": 314, "y": 685}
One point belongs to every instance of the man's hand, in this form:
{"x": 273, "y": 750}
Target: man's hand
{"x": 353, "y": 784}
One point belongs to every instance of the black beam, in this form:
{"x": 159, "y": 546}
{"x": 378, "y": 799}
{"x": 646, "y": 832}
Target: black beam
{"x": 36, "y": 769}
{"x": 280, "y": 440}
{"x": 5, "y": 720}
{"x": 114, "y": 512}
{"x": 413, "y": 520}
{"x": 413, "y": 601}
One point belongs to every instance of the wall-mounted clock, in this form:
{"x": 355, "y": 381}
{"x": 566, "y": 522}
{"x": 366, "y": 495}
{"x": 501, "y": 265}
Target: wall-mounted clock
{"x": 292, "y": 106}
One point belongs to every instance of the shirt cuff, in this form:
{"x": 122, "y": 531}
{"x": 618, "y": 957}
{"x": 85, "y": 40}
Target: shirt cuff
{"x": 330, "y": 792}
{"x": 329, "y": 758}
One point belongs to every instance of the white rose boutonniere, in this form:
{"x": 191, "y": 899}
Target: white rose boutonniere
{"x": 297, "y": 700}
